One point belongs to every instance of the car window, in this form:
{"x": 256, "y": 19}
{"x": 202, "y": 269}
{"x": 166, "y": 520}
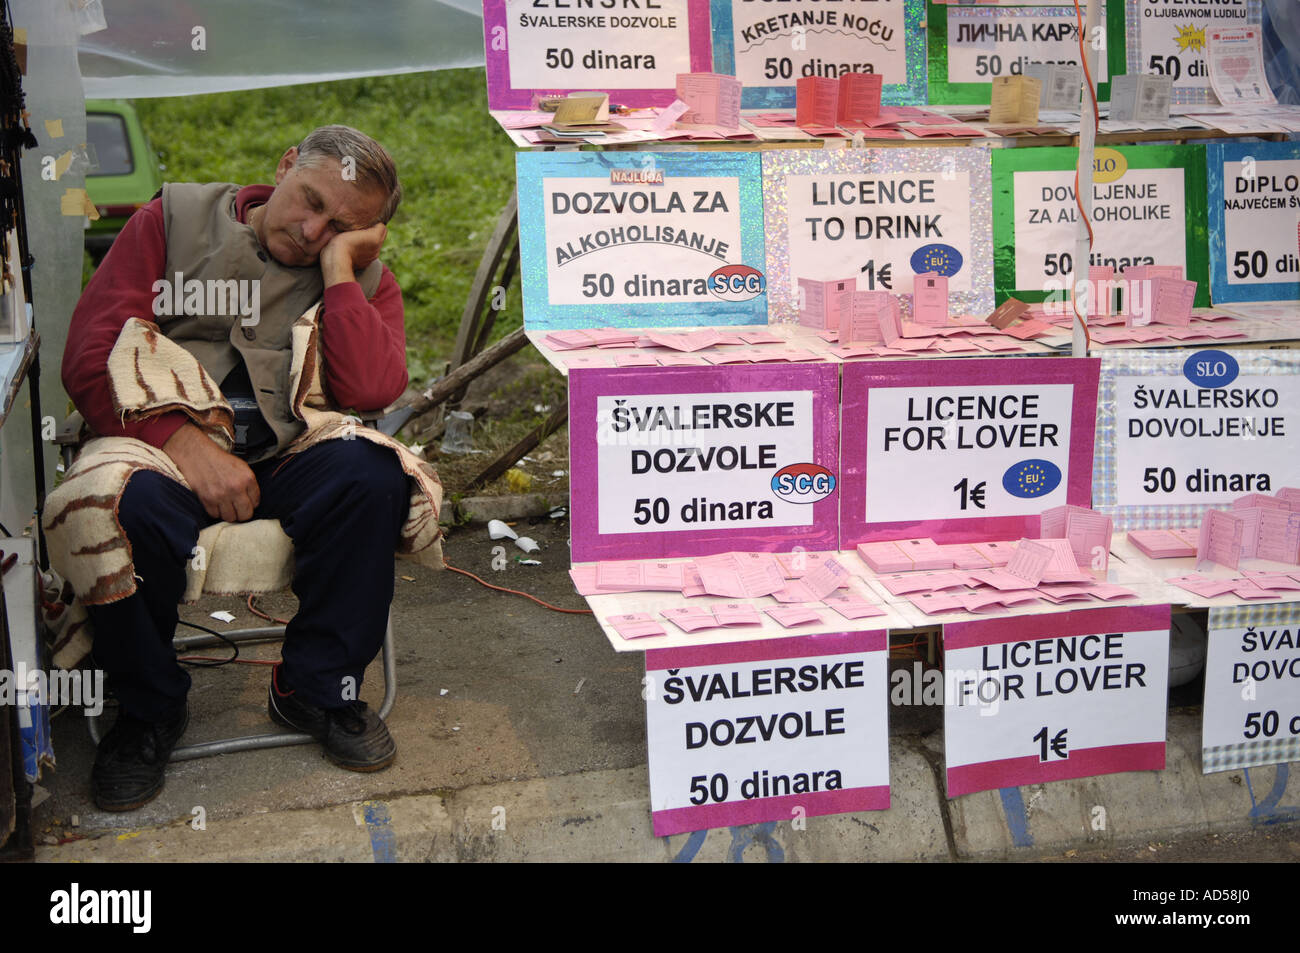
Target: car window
{"x": 107, "y": 133}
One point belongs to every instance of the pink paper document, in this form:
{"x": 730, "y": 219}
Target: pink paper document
{"x": 816, "y": 102}
{"x": 852, "y": 605}
{"x": 713, "y": 99}
{"x": 930, "y": 299}
{"x": 1203, "y": 586}
{"x": 1171, "y": 301}
{"x": 902, "y": 584}
{"x": 1273, "y": 580}
{"x": 791, "y": 616}
{"x": 690, "y": 618}
{"x": 635, "y": 625}
{"x": 1062, "y": 567}
{"x": 1088, "y": 531}
{"x": 727, "y": 576}
{"x": 932, "y": 602}
{"x": 736, "y": 613}
{"x": 636, "y": 576}
{"x": 1219, "y": 540}
{"x": 820, "y": 302}
{"x": 1024, "y": 570}
{"x": 1279, "y": 535}
{"x": 799, "y": 564}
{"x": 859, "y": 97}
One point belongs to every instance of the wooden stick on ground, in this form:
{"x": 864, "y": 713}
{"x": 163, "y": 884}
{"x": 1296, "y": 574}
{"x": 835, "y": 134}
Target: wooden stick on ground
{"x": 462, "y": 375}
{"x": 508, "y": 459}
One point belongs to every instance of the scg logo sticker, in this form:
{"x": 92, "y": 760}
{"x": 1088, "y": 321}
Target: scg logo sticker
{"x": 803, "y": 483}
{"x": 737, "y": 283}
{"x": 1030, "y": 478}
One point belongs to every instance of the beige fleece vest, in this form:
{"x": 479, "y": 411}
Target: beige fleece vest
{"x": 206, "y": 242}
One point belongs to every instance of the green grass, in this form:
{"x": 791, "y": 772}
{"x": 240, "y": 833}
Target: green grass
{"x": 456, "y": 166}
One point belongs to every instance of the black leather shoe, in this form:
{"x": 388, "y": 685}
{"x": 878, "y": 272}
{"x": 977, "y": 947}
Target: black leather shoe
{"x": 353, "y": 736}
{"x": 132, "y": 759}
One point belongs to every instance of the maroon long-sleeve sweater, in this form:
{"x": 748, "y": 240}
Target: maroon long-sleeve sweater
{"x": 363, "y": 342}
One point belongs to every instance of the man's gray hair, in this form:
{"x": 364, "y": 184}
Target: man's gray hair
{"x": 358, "y": 154}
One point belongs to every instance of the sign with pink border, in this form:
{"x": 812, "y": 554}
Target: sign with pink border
{"x": 964, "y": 451}
{"x": 688, "y": 461}
{"x": 767, "y": 731}
{"x": 1038, "y": 698}
{"x": 631, "y": 49}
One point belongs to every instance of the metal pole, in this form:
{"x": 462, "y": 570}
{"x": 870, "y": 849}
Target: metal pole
{"x": 1087, "y": 143}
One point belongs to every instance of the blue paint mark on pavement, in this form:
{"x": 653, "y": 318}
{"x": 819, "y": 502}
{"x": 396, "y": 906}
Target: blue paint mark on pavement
{"x": 383, "y": 842}
{"x": 1013, "y": 805}
{"x": 1267, "y": 811}
{"x": 760, "y": 834}
{"x": 691, "y": 847}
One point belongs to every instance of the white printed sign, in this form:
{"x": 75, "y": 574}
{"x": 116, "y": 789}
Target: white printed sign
{"x": 1252, "y": 690}
{"x": 735, "y": 737}
{"x": 779, "y": 45}
{"x": 869, "y": 226}
{"x": 615, "y": 243}
{"x": 555, "y": 44}
{"x": 1261, "y": 206}
{"x": 985, "y": 43}
{"x": 1048, "y": 697}
{"x": 1177, "y": 443}
{"x": 1138, "y": 219}
{"x": 1172, "y": 38}
{"x": 942, "y": 453}
{"x": 671, "y": 462}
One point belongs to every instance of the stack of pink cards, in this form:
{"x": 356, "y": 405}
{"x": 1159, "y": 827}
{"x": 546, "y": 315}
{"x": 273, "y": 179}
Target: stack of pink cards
{"x": 904, "y": 555}
{"x": 791, "y": 616}
{"x": 852, "y": 605}
{"x": 1165, "y": 543}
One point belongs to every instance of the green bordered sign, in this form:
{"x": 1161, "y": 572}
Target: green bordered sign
{"x": 971, "y": 45}
{"x": 1152, "y": 213}
{"x": 1252, "y": 687}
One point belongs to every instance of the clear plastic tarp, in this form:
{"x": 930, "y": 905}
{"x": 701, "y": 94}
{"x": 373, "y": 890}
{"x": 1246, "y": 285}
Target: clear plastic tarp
{"x": 187, "y": 47}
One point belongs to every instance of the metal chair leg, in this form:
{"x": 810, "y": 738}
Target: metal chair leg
{"x": 270, "y": 739}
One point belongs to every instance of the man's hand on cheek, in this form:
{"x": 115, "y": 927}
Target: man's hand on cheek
{"x": 224, "y": 483}
{"x": 349, "y": 252}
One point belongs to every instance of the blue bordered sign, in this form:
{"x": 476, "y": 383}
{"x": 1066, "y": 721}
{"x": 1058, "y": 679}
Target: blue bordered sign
{"x": 641, "y": 239}
{"x": 1254, "y": 205}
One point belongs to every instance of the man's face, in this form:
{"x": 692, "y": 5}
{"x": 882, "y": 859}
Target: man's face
{"x": 309, "y": 207}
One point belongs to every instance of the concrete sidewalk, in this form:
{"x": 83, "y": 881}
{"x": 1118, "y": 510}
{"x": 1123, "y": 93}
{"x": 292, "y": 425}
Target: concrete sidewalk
{"x": 521, "y": 736}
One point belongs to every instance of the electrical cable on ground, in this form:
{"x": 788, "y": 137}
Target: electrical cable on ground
{"x": 516, "y": 592}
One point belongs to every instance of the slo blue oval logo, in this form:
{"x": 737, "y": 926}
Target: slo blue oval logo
{"x": 941, "y": 259}
{"x": 803, "y": 483}
{"x": 1211, "y": 368}
{"x": 737, "y": 283}
{"x": 1031, "y": 478}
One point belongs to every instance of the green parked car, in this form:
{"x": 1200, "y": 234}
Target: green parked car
{"x": 128, "y": 175}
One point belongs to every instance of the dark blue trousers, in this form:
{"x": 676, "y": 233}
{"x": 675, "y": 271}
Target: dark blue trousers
{"x": 342, "y": 502}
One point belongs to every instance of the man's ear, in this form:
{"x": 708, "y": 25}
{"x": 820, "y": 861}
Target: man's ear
{"x": 286, "y": 163}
